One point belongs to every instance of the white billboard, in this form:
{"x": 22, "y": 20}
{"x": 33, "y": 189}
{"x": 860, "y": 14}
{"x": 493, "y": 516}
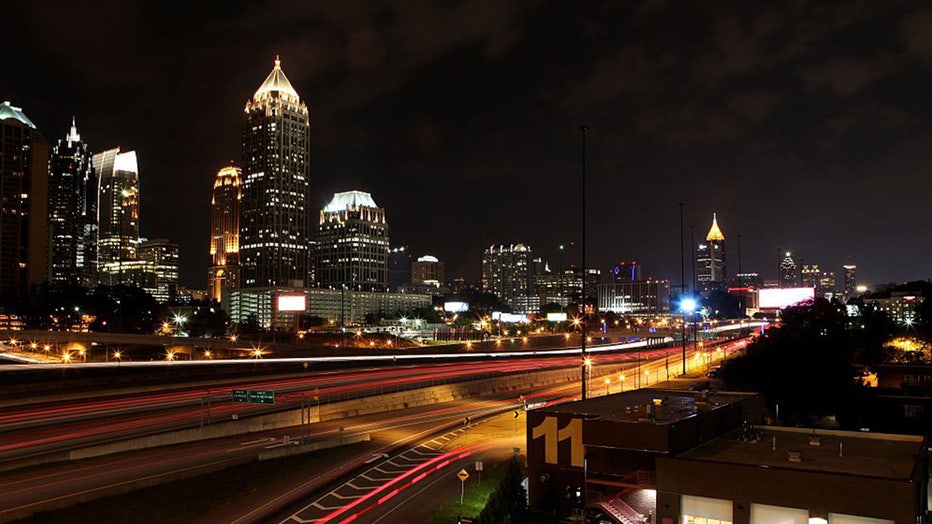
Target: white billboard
{"x": 556, "y": 317}
{"x": 291, "y": 303}
{"x": 456, "y": 307}
{"x": 508, "y": 318}
{"x": 779, "y": 298}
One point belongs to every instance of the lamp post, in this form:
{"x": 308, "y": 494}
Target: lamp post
{"x": 583, "y": 130}
{"x": 682, "y": 285}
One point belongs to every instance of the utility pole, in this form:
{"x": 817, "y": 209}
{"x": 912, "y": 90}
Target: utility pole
{"x": 682, "y": 285}
{"x": 583, "y": 130}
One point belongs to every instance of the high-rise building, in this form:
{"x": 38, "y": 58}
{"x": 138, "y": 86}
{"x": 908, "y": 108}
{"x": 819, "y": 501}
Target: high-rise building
{"x": 710, "y": 260}
{"x": 789, "y": 271}
{"x": 399, "y": 267}
{"x": 811, "y": 275}
{"x": 118, "y": 213}
{"x": 635, "y": 297}
{"x": 626, "y": 272}
{"x": 72, "y": 212}
{"x": 24, "y": 156}
{"x": 827, "y": 283}
{"x": 506, "y": 271}
{"x": 851, "y": 284}
{"x": 224, "y": 269}
{"x": 352, "y": 244}
{"x": 155, "y": 269}
{"x": 275, "y": 241}
{"x": 427, "y": 270}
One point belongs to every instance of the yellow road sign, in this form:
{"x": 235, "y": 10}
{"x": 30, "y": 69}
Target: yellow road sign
{"x": 463, "y": 475}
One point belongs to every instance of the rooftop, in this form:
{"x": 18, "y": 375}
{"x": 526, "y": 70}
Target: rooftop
{"x": 8, "y": 110}
{"x": 714, "y": 232}
{"x": 277, "y": 83}
{"x": 650, "y": 406}
{"x": 829, "y": 451}
{"x": 349, "y": 200}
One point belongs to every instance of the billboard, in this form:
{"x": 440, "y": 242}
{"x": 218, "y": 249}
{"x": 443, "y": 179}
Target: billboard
{"x": 291, "y": 302}
{"x": 556, "y": 317}
{"x": 508, "y": 318}
{"x": 779, "y": 298}
{"x": 456, "y": 307}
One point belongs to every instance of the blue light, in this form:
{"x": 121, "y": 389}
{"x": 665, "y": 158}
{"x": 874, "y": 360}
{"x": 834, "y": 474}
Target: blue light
{"x": 688, "y": 305}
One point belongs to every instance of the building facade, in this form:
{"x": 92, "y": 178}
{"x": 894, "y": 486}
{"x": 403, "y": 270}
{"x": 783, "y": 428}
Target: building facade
{"x": 72, "y": 212}
{"x": 851, "y": 282}
{"x": 224, "y": 269}
{"x": 789, "y": 271}
{"x": 427, "y": 270}
{"x": 275, "y": 241}
{"x": 506, "y": 271}
{"x": 24, "y": 156}
{"x": 352, "y": 244}
{"x": 711, "y": 271}
{"x": 626, "y": 272}
{"x": 118, "y": 213}
{"x": 645, "y": 297}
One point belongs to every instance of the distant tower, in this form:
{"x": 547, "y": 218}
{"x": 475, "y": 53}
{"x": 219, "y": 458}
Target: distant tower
{"x": 118, "y": 213}
{"x": 789, "y": 271}
{"x": 427, "y": 270}
{"x": 851, "y": 284}
{"x": 24, "y": 156}
{"x": 352, "y": 244}
{"x": 72, "y": 212}
{"x": 224, "y": 232}
{"x": 275, "y": 241}
{"x": 710, "y": 260}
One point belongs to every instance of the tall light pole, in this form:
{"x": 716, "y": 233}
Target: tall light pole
{"x": 583, "y": 130}
{"x": 682, "y": 284}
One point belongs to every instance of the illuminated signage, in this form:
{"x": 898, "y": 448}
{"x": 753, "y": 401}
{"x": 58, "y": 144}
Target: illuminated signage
{"x": 780, "y": 298}
{"x": 556, "y": 317}
{"x": 456, "y": 307}
{"x": 291, "y": 302}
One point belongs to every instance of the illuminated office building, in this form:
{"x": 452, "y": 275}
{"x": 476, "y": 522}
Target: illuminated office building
{"x": 224, "y": 269}
{"x": 275, "y": 242}
{"x": 710, "y": 260}
{"x": 789, "y": 271}
{"x": 427, "y": 270}
{"x": 352, "y": 244}
{"x": 118, "y": 213}
{"x": 24, "y": 156}
{"x": 72, "y": 212}
{"x": 506, "y": 272}
{"x": 851, "y": 285}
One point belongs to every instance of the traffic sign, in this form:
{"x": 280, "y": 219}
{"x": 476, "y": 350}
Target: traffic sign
{"x": 516, "y": 414}
{"x": 478, "y": 465}
{"x": 463, "y": 475}
{"x": 240, "y": 395}
{"x": 259, "y": 396}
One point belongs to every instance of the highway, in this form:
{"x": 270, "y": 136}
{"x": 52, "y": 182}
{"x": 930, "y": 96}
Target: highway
{"x": 92, "y": 420}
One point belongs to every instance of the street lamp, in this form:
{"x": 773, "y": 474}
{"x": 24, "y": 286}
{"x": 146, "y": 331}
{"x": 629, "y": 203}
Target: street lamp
{"x": 687, "y": 305}
{"x": 621, "y": 380}
{"x": 607, "y": 382}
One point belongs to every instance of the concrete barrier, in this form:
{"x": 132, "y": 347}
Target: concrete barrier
{"x": 291, "y": 450}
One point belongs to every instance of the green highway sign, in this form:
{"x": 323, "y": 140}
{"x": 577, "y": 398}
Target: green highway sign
{"x": 259, "y": 396}
{"x": 254, "y": 396}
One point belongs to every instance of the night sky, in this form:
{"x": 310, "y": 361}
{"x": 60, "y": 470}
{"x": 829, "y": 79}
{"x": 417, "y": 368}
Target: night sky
{"x": 804, "y": 126}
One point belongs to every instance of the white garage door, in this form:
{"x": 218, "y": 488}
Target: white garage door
{"x": 702, "y": 510}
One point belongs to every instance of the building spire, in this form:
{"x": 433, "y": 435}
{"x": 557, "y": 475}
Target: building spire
{"x": 73, "y": 135}
{"x": 714, "y": 232}
{"x": 278, "y": 62}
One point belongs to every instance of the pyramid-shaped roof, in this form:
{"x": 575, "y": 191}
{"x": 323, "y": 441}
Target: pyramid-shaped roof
{"x": 276, "y": 82}
{"x": 714, "y": 232}
{"x": 349, "y": 200}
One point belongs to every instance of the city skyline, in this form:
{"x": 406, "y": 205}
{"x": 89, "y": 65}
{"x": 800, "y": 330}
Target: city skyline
{"x": 421, "y": 134}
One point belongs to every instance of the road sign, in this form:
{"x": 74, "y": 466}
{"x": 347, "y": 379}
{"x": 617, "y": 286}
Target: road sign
{"x": 516, "y": 413}
{"x": 465, "y": 421}
{"x": 478, "y": 465}
{"x": 259, "y": 396}
{"x": 240, "y": 395}
{"x": 463, "y": 475}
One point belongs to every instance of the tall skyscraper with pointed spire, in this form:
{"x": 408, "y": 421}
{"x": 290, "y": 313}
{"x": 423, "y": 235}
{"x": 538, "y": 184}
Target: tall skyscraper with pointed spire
{"x": 24, "y": 156}
{"x": 224, "y": 231}
{"x": 789, "y": 271}
{"x": 118, "y": 213}
{"x": 275, "y": 240}
{"x": 72, "y": 212}
{"x": 710, "y": 260}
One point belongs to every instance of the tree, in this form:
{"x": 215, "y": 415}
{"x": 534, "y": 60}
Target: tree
{"x": 508, "y": 503}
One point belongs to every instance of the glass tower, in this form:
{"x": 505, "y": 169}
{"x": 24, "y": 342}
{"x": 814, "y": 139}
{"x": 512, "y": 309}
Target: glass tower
{"x": 275, "y": 243}
{"x": 118, "y": 213}
{"x": 72, "y": 212}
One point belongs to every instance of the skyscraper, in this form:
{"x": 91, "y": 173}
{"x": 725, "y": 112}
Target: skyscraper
{"x": 811, "y": 275}
{"x": 506, "y": 271}
{"x": 72, "y": 212}
{"x": 118, "y": 213}
{"x": 24, "y": 155}
{"x": 789, "y": 271}
{"x": 851, "y": 284}
{"x": 710, "y": 260}
{"x": 275, "y": 244}
{"x": 427, "y": 270}
{"x": 224, "y": 269}
{"x": 352, "y": 244}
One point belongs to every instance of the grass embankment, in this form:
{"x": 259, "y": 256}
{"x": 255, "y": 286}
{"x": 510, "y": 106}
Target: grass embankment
{"x": 475, "y": 496}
